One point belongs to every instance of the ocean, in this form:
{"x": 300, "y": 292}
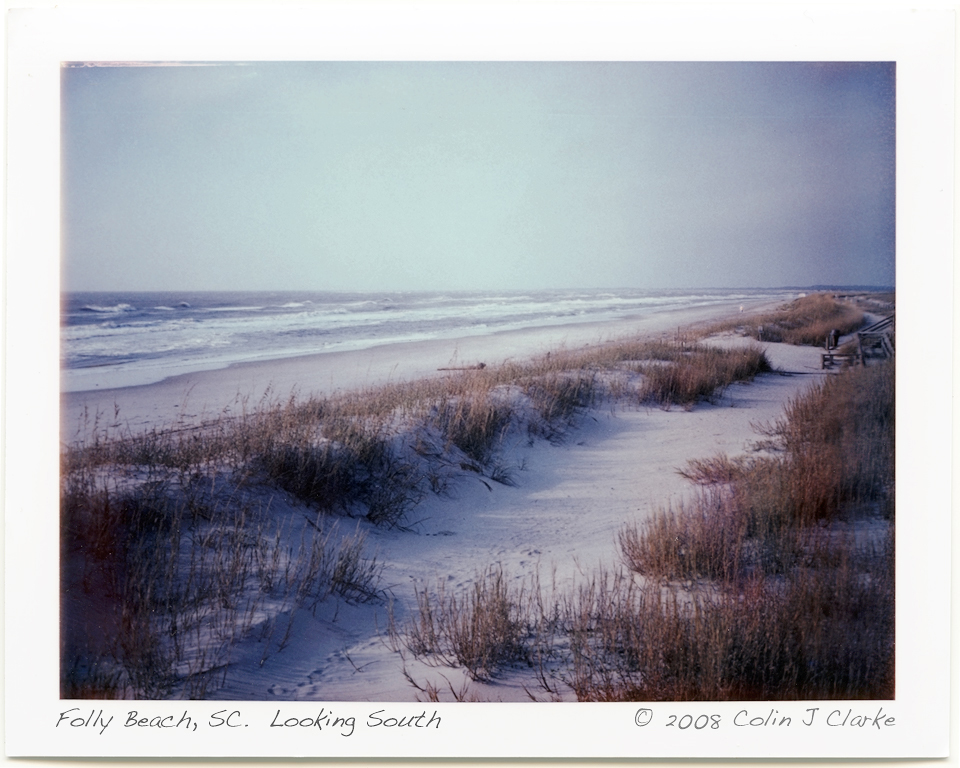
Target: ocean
{"x": 126, "y": 339}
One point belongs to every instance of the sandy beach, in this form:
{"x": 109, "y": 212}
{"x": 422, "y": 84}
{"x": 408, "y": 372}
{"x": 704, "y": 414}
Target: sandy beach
{"x": 193, "y": 397}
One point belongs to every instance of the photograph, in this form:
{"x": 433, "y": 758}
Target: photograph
{"x": 386, "y": 395}
{"x": 478, "y": 381}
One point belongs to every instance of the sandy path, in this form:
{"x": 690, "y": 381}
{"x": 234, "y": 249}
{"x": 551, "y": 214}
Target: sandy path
{"x": 562, "y": 517}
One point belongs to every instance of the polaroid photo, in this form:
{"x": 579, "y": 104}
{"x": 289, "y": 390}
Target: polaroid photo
{"x": 479, "y": 381}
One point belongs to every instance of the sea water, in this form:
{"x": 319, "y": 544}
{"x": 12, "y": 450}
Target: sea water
{"x": 125, "y": 339}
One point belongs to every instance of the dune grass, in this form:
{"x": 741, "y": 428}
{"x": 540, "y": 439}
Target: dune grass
{"x": 165, "y": 584}
{"x": 483, "y": 630}
{"x": 833, "y": 459}
{"x": 805, "y": 321}
{"x": 802, "y": 540}
{"x": 775, "y": 582}
{"x": 824, "y": 633}
{"x": 352, "y": 453}
{"x": 698, "y": 373}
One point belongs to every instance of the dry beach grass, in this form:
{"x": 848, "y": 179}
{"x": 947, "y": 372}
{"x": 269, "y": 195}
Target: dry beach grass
{"x": 764, "y": 587}
{"x": 807, "y": 320}
{"x": 180, "y": 541}
{"x": 787, "y": 600}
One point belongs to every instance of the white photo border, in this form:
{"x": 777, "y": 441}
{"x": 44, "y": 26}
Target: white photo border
{"x": 922, "y": 45}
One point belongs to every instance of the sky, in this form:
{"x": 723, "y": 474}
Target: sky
{"x": 360, "y": 176}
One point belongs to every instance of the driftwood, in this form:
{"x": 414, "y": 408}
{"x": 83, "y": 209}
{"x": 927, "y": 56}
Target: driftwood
{"x": 477, "y": 367}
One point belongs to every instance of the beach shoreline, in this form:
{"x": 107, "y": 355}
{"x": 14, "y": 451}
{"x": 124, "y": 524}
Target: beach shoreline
{"x": 191, "y": 398}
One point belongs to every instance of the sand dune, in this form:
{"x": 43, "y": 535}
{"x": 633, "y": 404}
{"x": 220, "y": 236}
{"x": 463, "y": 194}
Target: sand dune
{"x": 559, "y": 518}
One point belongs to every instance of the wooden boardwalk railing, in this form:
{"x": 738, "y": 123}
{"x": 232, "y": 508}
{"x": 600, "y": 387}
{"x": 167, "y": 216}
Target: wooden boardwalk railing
{"x": 877, "y": 341}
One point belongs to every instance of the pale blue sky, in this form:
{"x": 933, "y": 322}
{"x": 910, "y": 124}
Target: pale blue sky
{"x": 405, "y": 176}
